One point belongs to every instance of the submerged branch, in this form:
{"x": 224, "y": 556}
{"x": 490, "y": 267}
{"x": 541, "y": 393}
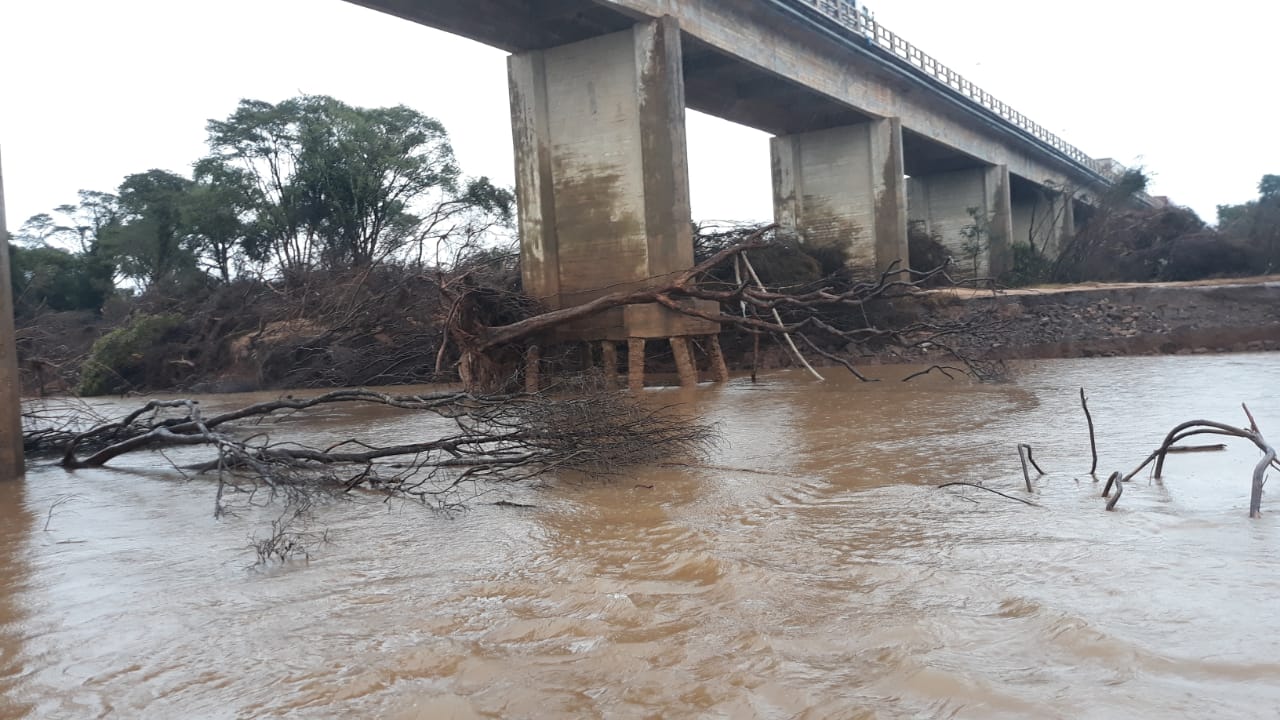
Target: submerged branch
{"x": 990, "y": 490}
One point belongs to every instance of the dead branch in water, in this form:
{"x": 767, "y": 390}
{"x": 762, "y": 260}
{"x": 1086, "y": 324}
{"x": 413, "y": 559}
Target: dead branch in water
{"x": 1114, "y": 481}
{"x": 1093, "y": 442}
{"x": 1197, "y": 448}
{"x": 1208, "y": 427}
{"x": 1024, "y": 454}
{"x": 469, "y": 438}
{"x": 990, "y": 490}
{"x": 944, "y": 369}
{"x": 830, "y": 311}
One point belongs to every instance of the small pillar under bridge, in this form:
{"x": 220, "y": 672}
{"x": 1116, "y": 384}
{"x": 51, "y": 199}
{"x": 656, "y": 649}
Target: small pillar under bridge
{"x": 11, "y": 460}
{"x": 1043, "y": 217}
{"x": 970, "y": 212}
{"x": 842, "y": 188}
{"x": 602, "y": 179}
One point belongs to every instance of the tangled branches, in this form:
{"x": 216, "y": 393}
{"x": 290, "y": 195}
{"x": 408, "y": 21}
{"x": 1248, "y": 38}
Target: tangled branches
{"x": 465, "y": 438}
{"x": 1193, "y": 428}
{"x": 828, "y": 309}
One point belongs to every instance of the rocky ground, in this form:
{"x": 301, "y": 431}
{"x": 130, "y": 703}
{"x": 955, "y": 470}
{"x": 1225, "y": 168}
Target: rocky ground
{"x": 1177, "y": 318}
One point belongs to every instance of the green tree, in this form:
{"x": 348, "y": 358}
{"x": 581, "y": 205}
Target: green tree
{"x": 151, "y": 243}
{"x": 1256, "y": 223}
{"x": 49, "y": 277}
{"x": 69, "y": 247}
{"x": 214, "y": 208}
{"x": 332, "y": 185}
{"x": 974, "y": 242}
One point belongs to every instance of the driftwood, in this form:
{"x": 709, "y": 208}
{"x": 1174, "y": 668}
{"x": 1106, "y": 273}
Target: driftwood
{"x": 808, "y": 309}
{"x": 1024, "y": 454}
{"x": 990, "y": 490}
{"x": 1197, "y": 448}
{"x": 1193, "y": 428}
{"x": 944, "y": 369}
{"x": 492, "y": 438}
{"x": 1116, "y": 482}
{"x": 1093, "y": 442}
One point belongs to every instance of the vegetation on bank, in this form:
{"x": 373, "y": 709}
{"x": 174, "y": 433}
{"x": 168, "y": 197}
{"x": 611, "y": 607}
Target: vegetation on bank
{"x": 1120, "y": 240}
{"x": 322, "y": 245}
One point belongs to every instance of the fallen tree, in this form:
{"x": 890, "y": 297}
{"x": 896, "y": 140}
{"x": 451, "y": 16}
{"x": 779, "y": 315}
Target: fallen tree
{"x": 500, "y": 438}
{"x": 833, "y": 315}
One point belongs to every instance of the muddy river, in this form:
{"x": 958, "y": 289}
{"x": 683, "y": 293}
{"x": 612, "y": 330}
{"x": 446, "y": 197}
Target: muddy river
{"x": 809, "y": 569}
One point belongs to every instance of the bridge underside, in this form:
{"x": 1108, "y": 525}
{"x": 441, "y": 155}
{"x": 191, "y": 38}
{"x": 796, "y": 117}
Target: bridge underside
{"x": 861, "y": 151}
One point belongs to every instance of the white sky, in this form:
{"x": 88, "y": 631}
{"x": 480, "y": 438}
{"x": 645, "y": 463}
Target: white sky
{"x": 92, "y": 90}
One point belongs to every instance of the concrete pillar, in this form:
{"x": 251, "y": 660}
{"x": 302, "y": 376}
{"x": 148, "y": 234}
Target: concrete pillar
{"x": 602, "y": 179}
{"x": 609, "y": 359}
{"x": 967, "y": 210}
{"x": 532, "y": 369}
{"x": 844, "y": 187}
{"x": 1044, "y": 218}
{"x": 11, "y": 460}
{"x": 635, "y": 364}
{"x": 685, "y": 365}
{"x": 719, "y": 368}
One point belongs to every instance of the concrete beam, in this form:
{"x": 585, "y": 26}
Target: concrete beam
{"x": 970, "y": 213}
{"x": 763, "y": 36}
{"x": 844, "y": 188}
{"x": 602, "y": 179}
{"x": 11, "y": 460}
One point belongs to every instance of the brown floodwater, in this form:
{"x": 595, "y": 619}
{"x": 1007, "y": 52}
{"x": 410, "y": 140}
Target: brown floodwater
{"x": 811, "y": 569}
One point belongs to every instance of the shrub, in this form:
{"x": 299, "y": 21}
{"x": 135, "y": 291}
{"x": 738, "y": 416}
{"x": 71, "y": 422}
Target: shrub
{"x": 118, "y": 359}
{"x": 1030, "y": 266}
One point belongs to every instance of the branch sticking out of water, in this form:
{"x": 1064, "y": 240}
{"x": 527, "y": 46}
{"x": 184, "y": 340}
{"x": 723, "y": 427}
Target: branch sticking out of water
{"x": 1115, "y": 480}
{"x": 1209, "y": 427}
{"x": 990, "y": 490}
{"x": 944, "y": 369}
{"x": 1024, "y": 454}
{"x": 1093, "y": 442}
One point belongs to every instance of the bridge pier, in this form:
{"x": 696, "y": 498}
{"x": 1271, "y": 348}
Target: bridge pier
{"x": 11, "y": 458}
{"x": 970, "y": 212}
{"x": 1042, "y": 217}
{"x": 843, "y": 188}
{"x": 602, "y": 179}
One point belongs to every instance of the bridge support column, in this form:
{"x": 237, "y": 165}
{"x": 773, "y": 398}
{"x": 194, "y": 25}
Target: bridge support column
{"x": 602, "y": 180}
{"x": 844, "y": 188}
{"x": 11, "y": 460}
{"x": 1043, "y": 218}
{"x": 970, "y": 212}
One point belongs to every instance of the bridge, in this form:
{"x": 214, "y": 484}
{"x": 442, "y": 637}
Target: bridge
{"x": 870, "y": 137}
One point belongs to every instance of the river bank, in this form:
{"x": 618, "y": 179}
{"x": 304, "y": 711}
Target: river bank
{"x": 1092, "y": 320}
{"x": 1099, "y": 320}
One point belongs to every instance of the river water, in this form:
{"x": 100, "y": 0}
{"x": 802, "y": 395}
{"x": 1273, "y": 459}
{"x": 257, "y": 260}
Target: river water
{"x": 808, "y": 569}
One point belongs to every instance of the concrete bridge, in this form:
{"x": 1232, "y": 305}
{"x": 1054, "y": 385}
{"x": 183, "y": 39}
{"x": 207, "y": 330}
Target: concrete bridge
{"x": 871, "y": 135}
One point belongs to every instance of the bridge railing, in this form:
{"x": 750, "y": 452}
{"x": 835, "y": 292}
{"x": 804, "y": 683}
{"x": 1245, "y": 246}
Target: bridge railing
{"x": 860, "y": 22}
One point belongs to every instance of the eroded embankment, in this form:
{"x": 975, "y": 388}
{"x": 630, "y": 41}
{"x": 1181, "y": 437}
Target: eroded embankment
{"x": 1109, "y": 320}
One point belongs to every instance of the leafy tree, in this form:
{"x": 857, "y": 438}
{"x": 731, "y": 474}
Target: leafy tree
{"x": 214, "y": 208}
{"x": 152, "y": 243}
{"x": 1257, "y": 223}
{"x": 332, "y": 185}
{"x": 1269, "y": 187}
{"x": 66, "y": 263}
{"x": 975, "y": 241}
{"x": 54, "y": 278}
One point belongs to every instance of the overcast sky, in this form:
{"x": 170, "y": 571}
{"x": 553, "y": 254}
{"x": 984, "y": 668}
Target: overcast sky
{"x": 93, "y": 90}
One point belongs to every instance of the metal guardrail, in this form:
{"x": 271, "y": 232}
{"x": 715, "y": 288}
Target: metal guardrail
{"x": 861, "y": 23}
